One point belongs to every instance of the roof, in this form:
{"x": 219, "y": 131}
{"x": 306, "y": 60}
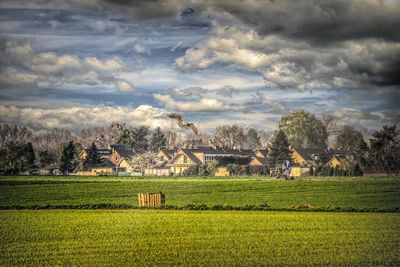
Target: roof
{"x": 105, "y": 163}
{"x": 338, "y": 153}
{"x": 168, "y": 152}
{"x": 262, "y": 160}
{"x": 122, "y": 150}
{"x": 264, "y": 152}
{"x": 220, "y": 151}
{"x": 189, "y": 152}
{"x": 311, "y": 153}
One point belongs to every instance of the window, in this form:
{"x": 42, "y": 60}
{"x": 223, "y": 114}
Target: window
{"x": 185, "y": 159}
{"x": 162, "y": 158}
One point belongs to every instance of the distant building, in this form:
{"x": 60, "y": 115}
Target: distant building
{"x": 335, "y": 157}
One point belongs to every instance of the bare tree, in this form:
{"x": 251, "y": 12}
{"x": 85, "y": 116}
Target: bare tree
{"x": 139, "y": 162}
{"x": 330, "y": 122}
{"x": 114, "y": 131}
{"x": 252, "y": 140}
{"x": 14, "y": 133}
{"x": 94, "y": 134}
{"x": 229, "y": 136}
{"x": 52, "y": 140}
{"x": 265, "y": 137}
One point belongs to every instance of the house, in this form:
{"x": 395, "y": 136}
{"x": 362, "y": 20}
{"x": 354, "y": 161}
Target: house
{"x": 222, "y": 171}
{"x": 305, "y": 156}
{"x": 335, "y": 157}
{"x": 165, "y": 155}
{"x": 261, "y": 153}
{"x": 120, "y": 155}
{"x": 103, "y": 152}
{"x": 184, "y": 158}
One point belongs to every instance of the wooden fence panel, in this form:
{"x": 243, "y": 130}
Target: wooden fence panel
{"x": 151, "y": 199}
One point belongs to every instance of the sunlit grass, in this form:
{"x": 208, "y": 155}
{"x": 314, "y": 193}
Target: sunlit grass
{"x": 194, "y": 238}
{"x": 362, "y": 192}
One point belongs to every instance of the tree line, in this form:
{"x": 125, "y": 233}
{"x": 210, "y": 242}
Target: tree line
{"x": 21, "y": 148}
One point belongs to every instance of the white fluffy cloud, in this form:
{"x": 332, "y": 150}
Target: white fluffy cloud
{"x": 49, "y": 67}
{"x": 11, "y": 76}
{"x": 288, "y": 64}
{"x": 202, "y": 105}
{"x": 77, "y": 117}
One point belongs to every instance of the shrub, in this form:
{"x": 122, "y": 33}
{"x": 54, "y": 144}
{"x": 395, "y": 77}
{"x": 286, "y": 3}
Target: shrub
{"x": 193, "y": 170}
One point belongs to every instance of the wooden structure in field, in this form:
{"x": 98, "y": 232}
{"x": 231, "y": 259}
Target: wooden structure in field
{"x": 151, "y": 199}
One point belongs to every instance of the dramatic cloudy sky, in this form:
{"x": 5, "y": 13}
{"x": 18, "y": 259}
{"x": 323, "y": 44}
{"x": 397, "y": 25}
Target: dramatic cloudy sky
{"x": 80, "y": 63}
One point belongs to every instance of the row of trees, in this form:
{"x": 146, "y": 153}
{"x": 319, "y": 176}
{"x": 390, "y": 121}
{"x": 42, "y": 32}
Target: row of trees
{"x": 297, "y": 129}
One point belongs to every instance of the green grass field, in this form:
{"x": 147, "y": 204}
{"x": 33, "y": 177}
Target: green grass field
{"x": 134, "y": 237}
{"x": 197, "y": 238}
{"x": 358, "y": 193}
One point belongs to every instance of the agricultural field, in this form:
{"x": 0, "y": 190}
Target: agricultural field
{"x": 197, "y": 238}
{"x": 357, "y": 193}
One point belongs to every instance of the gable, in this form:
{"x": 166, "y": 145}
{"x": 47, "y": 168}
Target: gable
{"x": 297, "y": 157}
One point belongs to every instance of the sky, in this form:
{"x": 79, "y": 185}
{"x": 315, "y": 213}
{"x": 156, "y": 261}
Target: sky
{"x": 75, "y": 64}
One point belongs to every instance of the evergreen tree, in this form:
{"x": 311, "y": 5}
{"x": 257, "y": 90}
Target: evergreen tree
{"x": 93, "y": 157}
{"x": 157, "y": 140}
{"x": 253, "y": 140}
{"x": 28, "y": 156}
{"x": 45, "y": 158}
{"x": 279, "y": 149}
{"x": 67, "y": 160}
{"x": 125, "y": 137}
{"x": 139, "y": 138}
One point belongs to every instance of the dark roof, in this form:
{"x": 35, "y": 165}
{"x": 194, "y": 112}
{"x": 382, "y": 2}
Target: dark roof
{"x": 311, "y": 153}
{"x": 189, "y": 153}
{"x": 262, "y": 160}
{"x": 168, "y": 152}
{"x": 221, "y": 151}
{"x": 105, "y": 163}
{"x": 123, "y": 150}
{"x": 338, "y": 153}
{"x": 264, "y": 152}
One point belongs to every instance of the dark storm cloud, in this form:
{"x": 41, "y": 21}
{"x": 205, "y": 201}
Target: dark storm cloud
{"x": 323, "y": 21}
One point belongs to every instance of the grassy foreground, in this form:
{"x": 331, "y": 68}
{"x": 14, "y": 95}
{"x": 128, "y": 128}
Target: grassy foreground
{"x": 357, "y": 193}
{"x": 197, "y": 238}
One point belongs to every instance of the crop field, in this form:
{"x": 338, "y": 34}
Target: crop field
{"x": 197, "y": 238}
{"x": 358, "y": 193}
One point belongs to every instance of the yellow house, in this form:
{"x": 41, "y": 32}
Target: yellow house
{"x": 120, "y": 156}
{"x": 103, "y": 152}
{"x": 202, "y": 155}
{"x": 303, "y": 156}
{"x": 182, "y": 160}
{"x": 336, "y": 157}
{"x": 165, "y": 154}
{"x": 261, "y": 153}
{"x": 258, "y": 161}
{"x": 222, "y": 171}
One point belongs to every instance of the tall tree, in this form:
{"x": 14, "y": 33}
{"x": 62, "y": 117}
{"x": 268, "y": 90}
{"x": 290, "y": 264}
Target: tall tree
{"x": 14, "y": 133}
{"x": 93, "y": 157}
{"x": 279, "y": 149}
{"x": 45, "y": 158}
{"x": 12, "y": 158}
{"x": 139, "y": 138}
{"x": 157, "y": 140}
{"x": 229, "y": 136}
{"x": 68, "y": 161}
{"x": 253, "y": 140}
{"x": 384, "y": 151}
{"x": 348, "y": 137}
{"x": 125, "y": 137}
{"x": 304, "y": 130}
{"x": 28, "y": 156}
